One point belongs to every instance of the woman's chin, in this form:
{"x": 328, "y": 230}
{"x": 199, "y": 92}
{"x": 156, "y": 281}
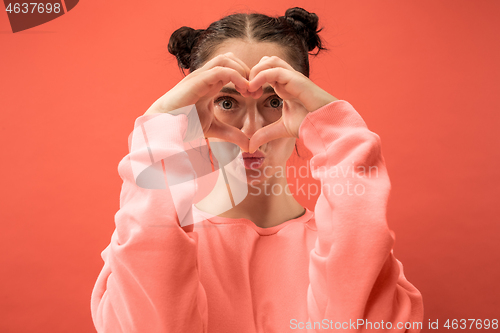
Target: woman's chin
{"x": 256, "y": 175}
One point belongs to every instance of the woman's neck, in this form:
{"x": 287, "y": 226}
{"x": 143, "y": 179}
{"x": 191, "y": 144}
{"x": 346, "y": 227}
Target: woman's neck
{"x": 267, "y": 204}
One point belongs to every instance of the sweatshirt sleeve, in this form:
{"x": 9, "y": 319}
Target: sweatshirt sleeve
{"x": 354, "y": 277}
{"x": 150, "y": 280}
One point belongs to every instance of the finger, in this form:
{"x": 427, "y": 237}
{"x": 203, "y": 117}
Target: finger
{"x": 287, "y": 84}
{"x": 292, "y": 85}
{"x": 272, "y": 76}
{"x": 214, "y": 89}
{"x": 241, "y": 62}
{"x": 221, "y": 130}
{"x": 227, "y": 60}
{"x": 243, "y": 91}
{"x": 201, "y": 82}
{"x": 256, "y": 94}
{"x": 271, "y": 132}
{"x": 220, "y": 76}
{"x": 266, "y": 63}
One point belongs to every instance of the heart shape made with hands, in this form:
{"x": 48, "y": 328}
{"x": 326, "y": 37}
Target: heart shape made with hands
{"x": 299, "y": 94}
{"x": 288, "y": 84}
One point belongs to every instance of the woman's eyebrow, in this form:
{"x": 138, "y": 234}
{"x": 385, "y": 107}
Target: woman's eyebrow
{"x": 268, "y": 90}
{"x": 228, "y": 90}
{"x": 232, "y": 91}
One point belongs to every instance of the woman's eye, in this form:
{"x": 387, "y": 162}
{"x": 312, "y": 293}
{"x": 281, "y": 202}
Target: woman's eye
{"x": 275, "y": 102}
{"x": 225, "y": 103}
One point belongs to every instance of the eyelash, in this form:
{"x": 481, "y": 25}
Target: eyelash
{"x": 221, "y": 98}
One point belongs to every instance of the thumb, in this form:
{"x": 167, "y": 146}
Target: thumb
{"x": 229, "y": 133}
{"x": 268, "y": 133}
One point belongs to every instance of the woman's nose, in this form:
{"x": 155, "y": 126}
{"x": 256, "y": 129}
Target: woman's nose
{"x": 252, "y": 122}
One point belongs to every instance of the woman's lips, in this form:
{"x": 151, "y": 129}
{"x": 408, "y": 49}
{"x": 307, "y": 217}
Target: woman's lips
{"x": 254, "y": 160}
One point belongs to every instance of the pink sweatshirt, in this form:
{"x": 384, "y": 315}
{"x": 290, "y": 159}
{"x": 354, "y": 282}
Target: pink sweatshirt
{"x": 331, "y": 269}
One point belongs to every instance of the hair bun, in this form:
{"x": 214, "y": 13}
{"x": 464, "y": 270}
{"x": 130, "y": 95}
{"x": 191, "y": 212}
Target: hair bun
{"x": 306, "y": 25}
{"x": 181, "y": 43}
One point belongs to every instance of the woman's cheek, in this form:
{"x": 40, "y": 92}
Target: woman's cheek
{"x": 281, "y": 149}
{"x": 227, "y": 117}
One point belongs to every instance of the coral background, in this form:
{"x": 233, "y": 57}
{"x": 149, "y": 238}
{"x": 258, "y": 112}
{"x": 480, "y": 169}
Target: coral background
{"x": 423, "y": 74}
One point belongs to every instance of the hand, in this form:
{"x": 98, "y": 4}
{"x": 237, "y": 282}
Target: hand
{"x": 300, "y": 96}
{"x": 199, "y": 88}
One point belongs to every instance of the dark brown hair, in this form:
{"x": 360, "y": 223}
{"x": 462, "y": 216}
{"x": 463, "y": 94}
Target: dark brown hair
{"x": 296, "y": 32}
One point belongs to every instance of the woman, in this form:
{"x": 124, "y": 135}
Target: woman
{"x": 264, "y": 264}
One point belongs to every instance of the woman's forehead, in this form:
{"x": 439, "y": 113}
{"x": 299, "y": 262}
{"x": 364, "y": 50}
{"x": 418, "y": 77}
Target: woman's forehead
{"x": 250, "y": 52}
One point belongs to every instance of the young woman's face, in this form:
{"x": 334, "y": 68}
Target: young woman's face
{"x": 250, "y": 114}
